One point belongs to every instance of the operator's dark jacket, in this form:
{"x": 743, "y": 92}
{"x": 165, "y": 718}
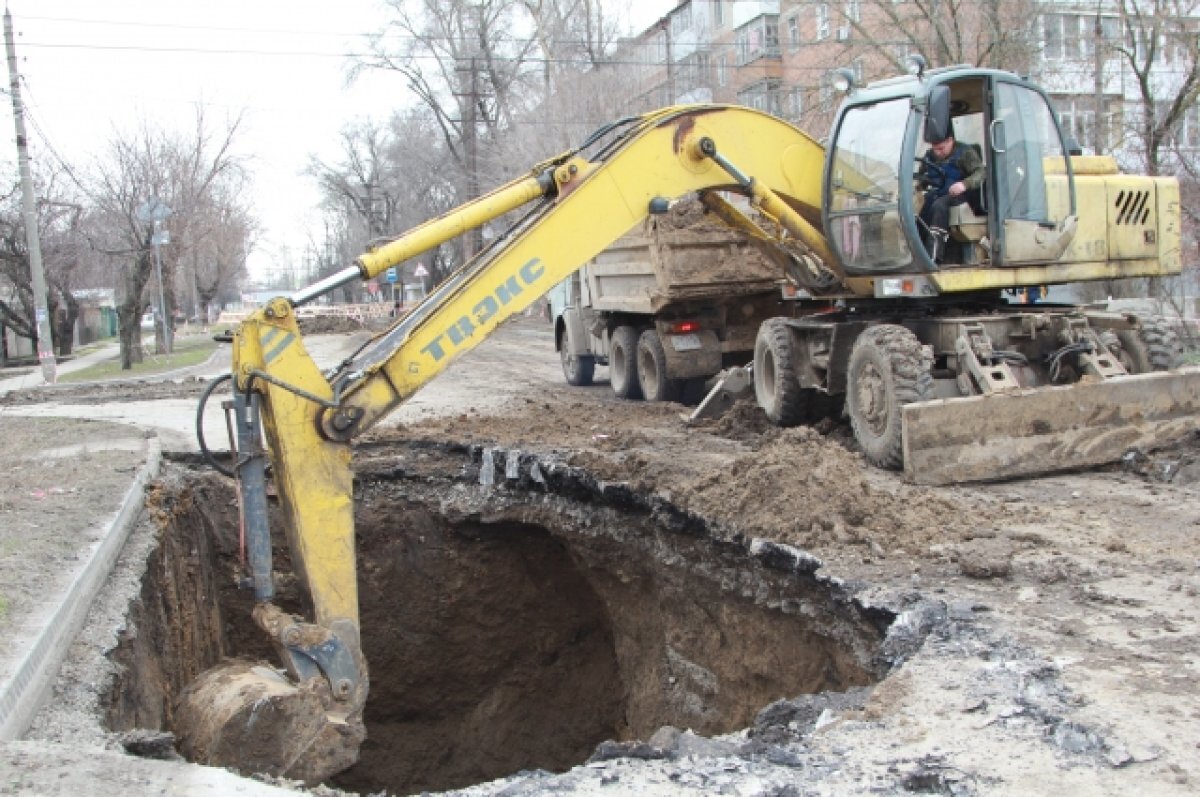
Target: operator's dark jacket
{"x": 964, "y": 163}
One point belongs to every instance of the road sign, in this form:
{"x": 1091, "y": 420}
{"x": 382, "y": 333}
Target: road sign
{"x": 392, "y": 276}
{"x": 420, "y": 271}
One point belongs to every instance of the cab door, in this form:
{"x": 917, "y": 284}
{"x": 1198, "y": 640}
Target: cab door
{"x": 1032, "y": 192}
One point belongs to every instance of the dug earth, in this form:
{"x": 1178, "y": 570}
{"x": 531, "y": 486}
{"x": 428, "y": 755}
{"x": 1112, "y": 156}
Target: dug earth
{"x": 567, "y": 593}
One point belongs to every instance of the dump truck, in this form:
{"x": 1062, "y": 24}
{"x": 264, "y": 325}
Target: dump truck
{"x": 935, "y": 365}
{"x": 666, "y": 307}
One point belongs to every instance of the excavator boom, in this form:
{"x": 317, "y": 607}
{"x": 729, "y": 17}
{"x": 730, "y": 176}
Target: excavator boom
{"x": 580, "y": 202}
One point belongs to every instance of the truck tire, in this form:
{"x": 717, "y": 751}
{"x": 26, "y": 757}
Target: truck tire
{"x": 652, "y": 369}
{"x": 775, "y": 384}
{"x": 579, "y": 369}
{"x": 888, "y": 368}
{"x": 622, "y": 363}
{"x": 1153, "y": 346}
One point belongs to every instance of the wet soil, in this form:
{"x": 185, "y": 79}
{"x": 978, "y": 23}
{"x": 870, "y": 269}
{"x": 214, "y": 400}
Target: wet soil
{"x": 509, "y": 627}
{"x": 1059, "y": 652}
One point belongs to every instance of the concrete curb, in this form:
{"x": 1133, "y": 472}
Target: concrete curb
{"x": 23, "y": 695}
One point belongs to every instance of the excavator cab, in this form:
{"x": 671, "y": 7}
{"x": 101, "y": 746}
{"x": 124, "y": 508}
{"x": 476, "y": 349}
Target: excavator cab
{"x": 880, "y": 172}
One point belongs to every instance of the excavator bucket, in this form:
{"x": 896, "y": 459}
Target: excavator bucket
{"x": 252, "y": 718}
{"x": 1043, "y": 430}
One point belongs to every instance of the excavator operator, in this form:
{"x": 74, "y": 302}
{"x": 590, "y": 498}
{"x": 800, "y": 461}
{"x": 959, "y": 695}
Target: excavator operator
{"x": 952, "y": 174}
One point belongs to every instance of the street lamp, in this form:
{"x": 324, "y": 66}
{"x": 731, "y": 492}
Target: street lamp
{"x": 154, "y": 210}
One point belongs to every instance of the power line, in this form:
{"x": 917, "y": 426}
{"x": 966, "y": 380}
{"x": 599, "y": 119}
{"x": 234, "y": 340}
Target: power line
{"x": 581, "y": 62}
{"x": 177, "y": 26}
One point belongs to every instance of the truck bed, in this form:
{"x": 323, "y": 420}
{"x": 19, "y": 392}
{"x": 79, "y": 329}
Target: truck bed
{"x": 677, "y": 257}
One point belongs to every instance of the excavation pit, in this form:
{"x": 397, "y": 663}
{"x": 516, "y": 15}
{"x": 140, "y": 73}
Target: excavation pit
{"x": 508, "y": 627}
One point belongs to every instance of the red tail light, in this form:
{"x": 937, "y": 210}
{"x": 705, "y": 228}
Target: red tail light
{"x": 684, "y": 327}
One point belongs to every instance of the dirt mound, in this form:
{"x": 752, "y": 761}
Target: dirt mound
{"x": 328, "y": 324}
{"x": 804, "y": 486}
{"x": 804, "y": 489}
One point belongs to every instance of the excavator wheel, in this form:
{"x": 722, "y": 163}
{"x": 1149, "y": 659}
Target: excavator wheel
{"x": 888, "y": 369}
{"x": 775, "y": 384}
{"x": 1153, "y": 346}
{"x": 251, "y": 718}
{"x": 622, "y": 363}
{"x": 652, "y": 370}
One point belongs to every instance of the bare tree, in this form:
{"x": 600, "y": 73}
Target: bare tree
{"x": 990, "y": 33}
{"x": 61, "y": 221}
{"x": 1160, "y": 47}
{"x": 181, "y": 171}
{"x": 388, "y": 179}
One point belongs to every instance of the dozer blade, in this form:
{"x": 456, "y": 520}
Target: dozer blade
{"x": 1042, "y": 430}
{"x": 253, "y": 719}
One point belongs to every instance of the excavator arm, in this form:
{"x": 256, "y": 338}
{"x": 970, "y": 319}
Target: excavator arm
{"x": 577, "y": 204}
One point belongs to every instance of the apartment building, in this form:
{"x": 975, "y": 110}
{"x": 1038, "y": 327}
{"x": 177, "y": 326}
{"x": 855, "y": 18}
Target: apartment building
{"x": 709, "y": 51}
{"x": 777, "y": 55}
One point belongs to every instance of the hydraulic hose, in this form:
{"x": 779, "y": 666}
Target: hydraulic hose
{"x": 208, "y": 455}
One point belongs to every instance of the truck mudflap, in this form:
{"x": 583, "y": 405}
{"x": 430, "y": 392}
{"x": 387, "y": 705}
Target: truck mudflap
{"x": 1043, "y": 430}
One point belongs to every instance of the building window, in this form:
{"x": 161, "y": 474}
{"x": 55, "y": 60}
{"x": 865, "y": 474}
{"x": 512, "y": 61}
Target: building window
{"x": 694, "y": 73}
{"x": 822, "y": 31}
{"x": 1077, "y": 115}
{"x": 1188, "y": 135}
{"x": 681, "y": 20}
{"x": 853, "y": 11}
{"x": 1073, "y": 36}
{"x": 1052, "y": 38}
{"x": 722, "y": 70}
{"x": 793, "y": 31}
{"x": 660, "y": 48}
{"x": 718, "y": 13}
{"x": 765, "y": 95}
{"x": 758, "y": 38}
{"x": 795, "y": 102}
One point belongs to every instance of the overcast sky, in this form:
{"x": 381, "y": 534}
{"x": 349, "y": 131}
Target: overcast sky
{"x": 90, "y": 67}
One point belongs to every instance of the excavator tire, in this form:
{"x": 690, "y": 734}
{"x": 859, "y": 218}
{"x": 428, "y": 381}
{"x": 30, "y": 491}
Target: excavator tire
{"x": 775, "y": 384}
{"x": 622, "y": 363}
{"x": 652, "y": 369}
{"x": 1153, "y": 346}
{"x": 888, "y": 369}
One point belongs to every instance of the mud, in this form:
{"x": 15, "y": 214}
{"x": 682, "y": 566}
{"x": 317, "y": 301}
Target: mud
{"x": 515, "y": 626}
{"x": 695, "y": 248}
{"x": 1046, "y": 627}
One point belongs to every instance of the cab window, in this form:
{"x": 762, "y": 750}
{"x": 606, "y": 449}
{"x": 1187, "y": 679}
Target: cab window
{"x": 864, "y": 185}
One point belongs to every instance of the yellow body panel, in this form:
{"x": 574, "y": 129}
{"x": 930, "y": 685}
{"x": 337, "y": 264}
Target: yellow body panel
{"x": 661, "y": 160}
{"x": 312, "y": 474}
{"x": 1127, "y": 226}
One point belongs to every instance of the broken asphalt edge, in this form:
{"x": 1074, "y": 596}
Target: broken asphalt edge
{"x": 26, "y": 691}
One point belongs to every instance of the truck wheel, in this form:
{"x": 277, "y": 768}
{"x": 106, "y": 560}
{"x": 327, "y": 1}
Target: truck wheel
{"x": 775, "y": 384}
{"x": 577, "y": 368}
{"x": 622, "y": 363}
{"x": 652, "y": 369}
{"x": 1153, "y": 346}
{"x": 888, "y": 368}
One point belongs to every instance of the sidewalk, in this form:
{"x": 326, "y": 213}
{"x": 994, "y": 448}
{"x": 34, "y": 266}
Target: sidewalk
{"x": 35, "y": 379}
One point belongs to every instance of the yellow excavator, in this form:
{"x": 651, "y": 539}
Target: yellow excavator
{"x": 939, "y": 373}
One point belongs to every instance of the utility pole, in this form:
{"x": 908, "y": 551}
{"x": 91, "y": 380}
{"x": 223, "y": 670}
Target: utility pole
{"x": 154, "y": 211}
{"x": 37, "y": 276}
{"x": 1098, "y": 52}
{"x": 473, "y": 241}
